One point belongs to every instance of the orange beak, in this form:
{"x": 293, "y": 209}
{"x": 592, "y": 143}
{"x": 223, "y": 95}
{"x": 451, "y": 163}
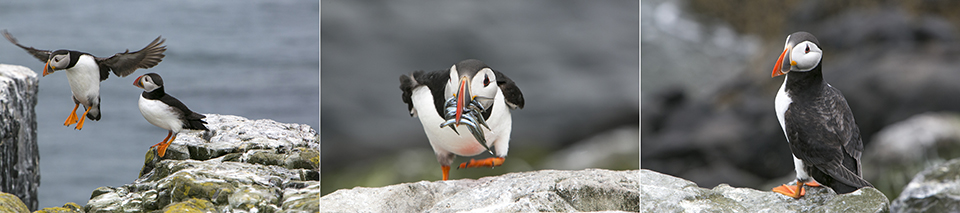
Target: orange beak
{"x": 780, "y": 68}
{"x": 45, "y": 67}
{"x": 462, "y": 93}
{"x": 136, "y": 83}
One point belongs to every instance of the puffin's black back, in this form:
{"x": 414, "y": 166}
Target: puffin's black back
{"x": 822, "y": 132}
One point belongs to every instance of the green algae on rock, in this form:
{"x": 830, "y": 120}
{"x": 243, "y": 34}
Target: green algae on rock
{"x": 270, "y": 168}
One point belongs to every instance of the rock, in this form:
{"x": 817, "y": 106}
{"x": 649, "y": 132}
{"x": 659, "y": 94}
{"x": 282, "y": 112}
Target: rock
{"x": 665, "y": 193}
{"x": 545, "y": 190}
{"x": 240, "y": 165}
{"x": 936, "y": 189}
{"x": 19, "y": 154}
{"x": 11, "y": 203}
{"x": 67, "y": 208}
{"x": 903, "y": 149}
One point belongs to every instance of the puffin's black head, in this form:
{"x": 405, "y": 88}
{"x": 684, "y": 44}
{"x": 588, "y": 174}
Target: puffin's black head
{"x": 60, "y": 59}
{"x": 148, "y": 82}
{"x": 801, "y": 53}
{"x": 471, "y": 79}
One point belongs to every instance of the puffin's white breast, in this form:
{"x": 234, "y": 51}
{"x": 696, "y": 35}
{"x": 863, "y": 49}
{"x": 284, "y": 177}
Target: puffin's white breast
{"x": 159, "y": 114}
{"x": 84, "y": 79}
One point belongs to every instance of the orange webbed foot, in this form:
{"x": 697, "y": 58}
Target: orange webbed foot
{"x": 72, "y": 118}
{"x": 789, "y": 191}
{"x": 489, "y": 162}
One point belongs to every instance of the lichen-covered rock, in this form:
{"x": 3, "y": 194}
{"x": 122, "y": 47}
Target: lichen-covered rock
{"x": 70, "y": 207}
{"x": 936, "y": 189}
{"x": 665, "y": 193}
{"x": 239, "y": 165}
{"x": 546, "y": 190}
{"x": 19, "y": 154}
{"x": 11, "y": 203}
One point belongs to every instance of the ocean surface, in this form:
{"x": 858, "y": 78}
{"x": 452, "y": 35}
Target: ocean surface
{"x": 256, "y": 59}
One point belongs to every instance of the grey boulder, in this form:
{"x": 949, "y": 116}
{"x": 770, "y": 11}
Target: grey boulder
{"x": 546, "y": 190}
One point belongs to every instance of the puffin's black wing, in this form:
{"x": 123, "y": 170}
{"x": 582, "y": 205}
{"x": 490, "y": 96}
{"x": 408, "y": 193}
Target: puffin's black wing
{"x": 511, "y": 92}
{"x": 43, "y": 55}
{"x": 123, "y": 64}
{"x": 824, "y": 135}
{"x": 192, "y": 120}
{"x": 434, "y": 80}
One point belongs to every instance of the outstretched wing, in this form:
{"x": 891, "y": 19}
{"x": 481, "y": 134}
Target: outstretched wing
{"x": 43, "y": 55}
{"x": 434, "y": 80}
{"x": 123, "y": 64}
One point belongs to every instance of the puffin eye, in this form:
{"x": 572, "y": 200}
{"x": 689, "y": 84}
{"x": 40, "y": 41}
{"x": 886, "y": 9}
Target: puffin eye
{"x": 807, "y": 50}
{"x": 486, "y": 80}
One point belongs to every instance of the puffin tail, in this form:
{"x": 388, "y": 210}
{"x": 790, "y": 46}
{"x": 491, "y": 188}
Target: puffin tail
{"x": 194, "y": 122}
{"x": 94, "y": 113}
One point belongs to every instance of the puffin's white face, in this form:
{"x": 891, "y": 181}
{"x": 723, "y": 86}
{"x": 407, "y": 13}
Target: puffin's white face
{"x": 805, "y": 56}
{"x": 147, "y": 83}
{"x": 58, "y": 60}
{"x": 481, "y": 86}
{"x": 800, "y": 54}
{"x": 484, "y": 87}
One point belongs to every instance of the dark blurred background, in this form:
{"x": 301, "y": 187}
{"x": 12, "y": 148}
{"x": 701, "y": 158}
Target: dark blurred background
{"x": 707, "y": 98}
{"x": 576, "y": 63}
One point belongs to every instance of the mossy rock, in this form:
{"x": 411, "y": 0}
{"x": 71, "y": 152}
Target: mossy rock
{"x": 70, "y": 207}
{"x": 192, "y": 205}
{"x": 11, "y": 203}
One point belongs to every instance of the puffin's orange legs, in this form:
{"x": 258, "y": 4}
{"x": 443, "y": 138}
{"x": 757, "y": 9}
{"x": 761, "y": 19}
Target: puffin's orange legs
{"x": 82, "y": 118}
{"x": 446, "y": 172}
{"x": 163, "y": 144}
{"x": 72, "y": 119}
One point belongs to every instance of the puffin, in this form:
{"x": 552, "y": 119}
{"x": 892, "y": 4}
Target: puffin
{"x": 817, "y": 122}
{"x": 86, "y": 71}
{"x": 165, "y": 111}
{"x": 470, "y": 80}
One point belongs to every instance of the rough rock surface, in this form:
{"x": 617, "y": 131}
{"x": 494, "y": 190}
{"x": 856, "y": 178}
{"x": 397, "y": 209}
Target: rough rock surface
{"x": 665, "y": 193}
{"x": 19, "y": 154}
{"x": 546, "y": 190}
{"x": 903, "y": 149}
{"x": 936, "y": 189}
{"x": 10, "y": 203}
{"x": 240, "y": 165}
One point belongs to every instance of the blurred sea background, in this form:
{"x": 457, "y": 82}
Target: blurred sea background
{"x": 576, "y": 63}
{"x": 707, "y": 111}
{"x": 256, "y": 59}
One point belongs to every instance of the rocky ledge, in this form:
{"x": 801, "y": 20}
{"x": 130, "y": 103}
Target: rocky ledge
{"x": 665, "y": 193}
{"x": 240, "y": 165}
{"x": 536, "y": 191}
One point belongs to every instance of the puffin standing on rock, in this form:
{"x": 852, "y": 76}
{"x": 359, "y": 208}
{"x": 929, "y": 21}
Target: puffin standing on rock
{"x": 85, "y": 72}
{"x": 469, "y": 97}
{"x": 817, "y": 122}
{"x": 165, "y": 111}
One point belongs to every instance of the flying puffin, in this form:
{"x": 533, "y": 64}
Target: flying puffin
{"x": 426, "y": 92}
{"x": 817, "y": 121}
{"x": 165, "y": 111}
{"x": 85, "y": 72}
